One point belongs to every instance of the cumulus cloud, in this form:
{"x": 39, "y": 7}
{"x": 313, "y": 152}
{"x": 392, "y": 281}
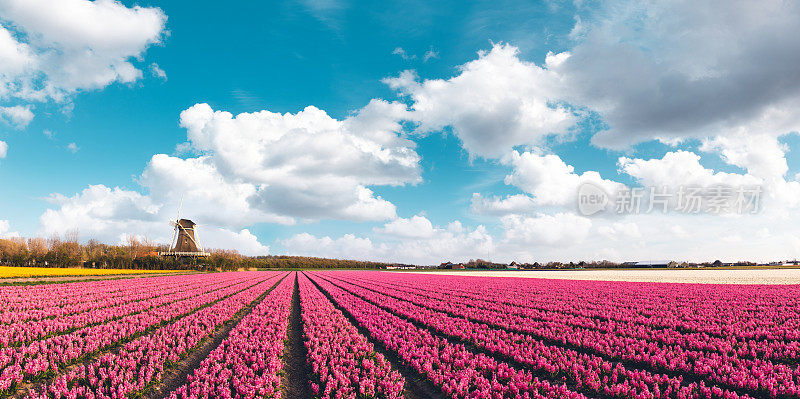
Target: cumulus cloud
{"x": 429, "y": 245}
{"x": 416, "y": 226}
{"x": 762, "y": 155}
{"x": 50, "y": 49}
{"x": 5, "y": 230}
{"x": 497, "y": 102}
{"x": 255, "y": 168}
{"x": 112, "y": 214}
{"x": 686, "y": 69}
{"x": 619, "y": 230}
{"x": 681, "y": 168}
{"x": 3, "y": 149}
{"x": 347, "y": 246}
{"x": 308, "y": 164}
{"x": 543, "y": 229}
{"x": 550, "y": 180}
{"x": 664, "y": 70}
{"x": 17, "y": 116}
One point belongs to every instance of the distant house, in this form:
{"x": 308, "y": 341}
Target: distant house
{"x": 513, "y": 266}
{"x": 458, "y": 266}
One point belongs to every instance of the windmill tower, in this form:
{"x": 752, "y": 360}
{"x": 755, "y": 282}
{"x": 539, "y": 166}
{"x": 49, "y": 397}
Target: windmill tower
{"x": 184, "y": 238}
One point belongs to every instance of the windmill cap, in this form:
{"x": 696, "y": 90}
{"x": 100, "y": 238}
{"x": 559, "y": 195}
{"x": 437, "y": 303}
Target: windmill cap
{"x": 186, "y": 223}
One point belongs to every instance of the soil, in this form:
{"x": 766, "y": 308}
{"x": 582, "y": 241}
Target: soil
{"x": 295, "y": 379}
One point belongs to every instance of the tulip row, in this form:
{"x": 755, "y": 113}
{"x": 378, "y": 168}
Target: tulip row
{"x": 755, "y": 375}
{"x": 40, "y": 358}
{"x": 74, "y": 294}
{"x": 770, "y": 312}
{"x": 247, "y": 364}
{"x": 591, "y": 374}
{"x": 458, "y": 372}
{"x": 56, "y": 308}
{"x": 778, "y": 351}
{"x": 105, "y": 310}
{"x": 344, "y": 363}
{"x": 141, "y": 362}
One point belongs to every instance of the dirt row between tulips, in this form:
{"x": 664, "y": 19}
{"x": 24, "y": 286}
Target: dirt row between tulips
{"x": 296, "y": 379}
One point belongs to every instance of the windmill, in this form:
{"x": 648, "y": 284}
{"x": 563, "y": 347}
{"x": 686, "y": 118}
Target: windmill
{"x": 184, "y": 238}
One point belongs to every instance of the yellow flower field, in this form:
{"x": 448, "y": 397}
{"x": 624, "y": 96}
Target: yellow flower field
{"x": 8, "y": 271}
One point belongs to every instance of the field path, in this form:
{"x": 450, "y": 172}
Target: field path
{"x": 295, "y": 379}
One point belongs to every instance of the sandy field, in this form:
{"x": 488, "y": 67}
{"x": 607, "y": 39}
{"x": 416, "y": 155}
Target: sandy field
{"x": 703, "y": 276}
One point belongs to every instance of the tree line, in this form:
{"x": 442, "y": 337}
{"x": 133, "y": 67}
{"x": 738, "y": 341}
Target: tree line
{"x": 136, "y": 253}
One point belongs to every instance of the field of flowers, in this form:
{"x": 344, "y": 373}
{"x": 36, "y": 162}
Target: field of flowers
{"x": 14, "y": 272}
{"x": 397, "y": 335}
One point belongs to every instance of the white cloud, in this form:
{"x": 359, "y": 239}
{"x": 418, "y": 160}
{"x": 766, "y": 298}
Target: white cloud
{"x": 681, "y": 168}
{"x": 679, "y": 231}
{"x": 565, "y": 229}
{"x": 73, "y": 148}
{"x": 668, "y": 69}
{"x": 5, "y": 230}
{"x": 17, "y": 116}
{"x": 308, "y": 164}
{"x": 243, "y": 242}
{"x": 402, "y": 53}
{"x": 156, "y": 71}
{"x": 434, "y": 246}
{"x": 495, "y": 103}
{"x": 255, "y": 168}
{"x": 762, "y": 155}
{"x": 346, "y": 247}
{"x": 207, "y": 194}
{"x": 651, "y": 70}
{"x": 111, "y": 214}
{"x": 550, "y": 180}
{"x": 417, "y": 226}
{"x": 50, "y": 49}
{"x": 619, "y": 230}
{"x": 3, "y": 149}
{"x": 430, "y": 54}
{"x": 494, "y": 205}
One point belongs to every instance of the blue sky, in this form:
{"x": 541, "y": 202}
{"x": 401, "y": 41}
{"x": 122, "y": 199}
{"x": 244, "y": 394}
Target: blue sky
{"x": 580, "y": 92}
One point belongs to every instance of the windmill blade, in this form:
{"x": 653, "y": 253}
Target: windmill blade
{"x": 198, "y": 239}
{"x": 174, "y": 236}
{"x": 179, "y": 209}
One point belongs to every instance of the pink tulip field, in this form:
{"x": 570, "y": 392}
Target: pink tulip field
{"x": 369, "y": 334}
